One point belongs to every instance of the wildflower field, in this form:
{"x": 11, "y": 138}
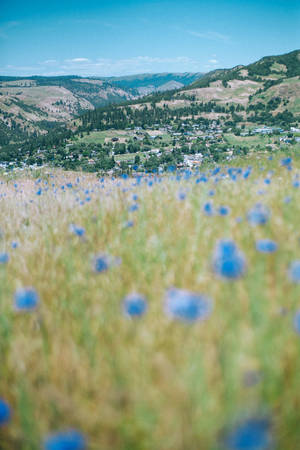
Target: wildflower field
{"x": 151, "y": 313}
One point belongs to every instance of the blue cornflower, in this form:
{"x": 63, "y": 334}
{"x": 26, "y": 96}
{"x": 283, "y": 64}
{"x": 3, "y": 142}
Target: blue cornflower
{"x": 286, "y": 161}
{"x": 129, "y": 224}
{"x": 223, "y": 210}
{"x": 5, "y": 412}
{"x": 26, "y": 299}
{"x": 65, "y": 440}
{"x": 79, "y": 231}
{"x": 135, "y": 197}
{"x": 258, "y": 215}
{"x": 4, "y": 258}
{"x": 187, "y": 306}
{"x": 134, "y": 305}
{"x": 216, "y": 171}
{"x": 266, "y": 246}
{"x": 297, "y": 322}
{"x": 133, "y": 207}
{"x": 228, "y": 261}
{"x": 208, "y": 209}
{"x": 103, "y": 262}
{"x": 14, "y": 244}
{"x": 247, "y": 173}
{"x": 181, "y": 196}
{"x": 39, "y": 191}
{"x": 267, "y": 181}
{"x": 294, "y": 271}
{"x": 253, "y": 434}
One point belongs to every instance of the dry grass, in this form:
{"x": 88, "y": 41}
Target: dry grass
{"x": 150, "y": 383}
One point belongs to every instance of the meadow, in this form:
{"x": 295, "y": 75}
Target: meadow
{"x": 151, "y": 313}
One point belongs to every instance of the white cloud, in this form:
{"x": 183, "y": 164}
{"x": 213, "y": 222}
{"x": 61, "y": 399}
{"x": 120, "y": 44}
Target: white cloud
{"x": 77, "y": 60}
{"x": 110, "y": 67}
{"x": 213, "y": 61}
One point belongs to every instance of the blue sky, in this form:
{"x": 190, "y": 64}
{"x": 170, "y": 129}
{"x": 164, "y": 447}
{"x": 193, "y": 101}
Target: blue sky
{"x": 120, "y": 37}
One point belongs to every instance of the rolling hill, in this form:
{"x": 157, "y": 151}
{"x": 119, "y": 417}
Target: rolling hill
{"x": 264, "y": 92}
{"x": 259, "y": 82}
{"x": 34, "y": 104}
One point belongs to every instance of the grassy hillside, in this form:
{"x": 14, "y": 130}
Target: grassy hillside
{"x": 287, "y": 66}
{"x": 30, "y": 105}
{"x": 260, "y": 81}
{"x": 264, "y": 93}
{"x": 167, "y": 375}
{"x": 147, "y": 83}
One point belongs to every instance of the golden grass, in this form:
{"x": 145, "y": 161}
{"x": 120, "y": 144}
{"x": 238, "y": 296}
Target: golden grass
{"x": 150, "y": 383}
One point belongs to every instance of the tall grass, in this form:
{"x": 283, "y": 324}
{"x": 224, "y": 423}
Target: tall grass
{"x": 149, "y": 383}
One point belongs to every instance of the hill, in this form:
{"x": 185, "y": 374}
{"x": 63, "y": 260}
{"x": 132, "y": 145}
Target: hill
{"x": 34, "y": 104}
{"x": 147, "y": 83}
{"x": 266, "y": 92}
{"x": 263, "y": 96}
{"x": 271, "y": 76}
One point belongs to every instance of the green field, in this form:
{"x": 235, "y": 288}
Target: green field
{"x": 250, "y": 141}
{"x": 98, "y": 137}
{"x": 154, "y": 382}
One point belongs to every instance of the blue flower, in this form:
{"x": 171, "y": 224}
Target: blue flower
{"x": 79, "y": 231}
{"x": 4, "y": 258}
{"x": 266, "y": 246}
{"x": 134, "y": 305}
{"x": 294, "y": 271}
{"x": 228, "y": 261}
{"x": 133, "y": 207}
{"x": 247, "y": 173}
{"x": 129, "y": 224}
{"x": 223, "y": 210}
{"x": 39, "y": 191}
{"x": 208, "y": 209}
{"x": 103, "y": 262}
{"x": 65, "y": 440}
{"x": 286, "y": 161}
{"x": 5, "y": 412}
{"x": 26, "y": 299}
{"x": 181, "y": 196}
{"x": 187, "y": 306}
{"x": 14, "y": 244}
{"x": 253, "y": 434}
{"x": 297, "y": 322}
{"x": 258, "y": 215}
